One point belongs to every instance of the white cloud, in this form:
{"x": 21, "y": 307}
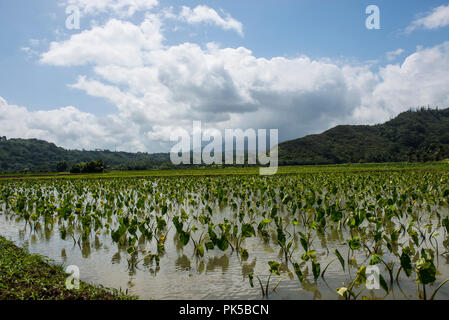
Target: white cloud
{"x": 157, "y": 88}
{"x": 122, "y": 8}
{"x": 420, "y": 80}
{"x": 437, "y": 18}
{"x": 204, "y": 14}
{"x": 118, "y": 42}
{"x": 391, "y": 55}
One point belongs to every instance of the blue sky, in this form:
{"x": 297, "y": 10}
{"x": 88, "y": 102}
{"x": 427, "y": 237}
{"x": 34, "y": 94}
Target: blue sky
{"x": 330, "y": 34}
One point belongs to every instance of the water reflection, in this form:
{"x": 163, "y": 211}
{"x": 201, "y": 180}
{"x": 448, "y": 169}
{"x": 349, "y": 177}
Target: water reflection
{"x": 116, "y": 258}
{"x": 183, "y": 263}
{"x": 214, "y": 263}
{"x": 248, "y": 268}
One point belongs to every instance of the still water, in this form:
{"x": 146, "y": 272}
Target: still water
{"x": 217, "y": 276}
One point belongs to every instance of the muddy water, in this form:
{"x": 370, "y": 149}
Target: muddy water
{"x": 217, "y": 276}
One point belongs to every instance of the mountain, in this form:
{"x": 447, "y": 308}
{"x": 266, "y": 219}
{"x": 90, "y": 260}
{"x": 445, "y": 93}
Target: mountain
{"x": 421, "y": 135}
{"x": 42, "y": 156}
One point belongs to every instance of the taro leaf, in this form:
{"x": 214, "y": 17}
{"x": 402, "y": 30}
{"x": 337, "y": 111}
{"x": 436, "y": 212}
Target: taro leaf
{"x": 213, "y": 236}
{"x": 361, "y": 275}
{"x": 340, "y": 258}
{"x": 281, "y": 237}
{"x": 304, "y": 244}
{"x": 184, "y": 237}
{"x": 222, "y": 243}
{"x": 446, "y": 193}
{"x": 209, "y": 245}
{"x": 63, "y": 232}
{"x": 406, "y": 262}
{"x": 383, "y": 283}
{"x": 445, "y": 222}
{"x": 375, "y": 259}
{"x": 425, "y": 267}
{"x": 316, "y": 268}
{"x": 336, "y": 216}
{"x": 247, "y": 231}
{"x": 354, "y": 243}
{"x": 274, "y": 267}
{"x": 251, "y": 277}
{"x": 235, "y": 231}
{"x": 273, "y": 212}
{"x": 200, "y": 250}
{"x": 341, "y": 291}
{"x": 263, "y": 223}
{"x": 178, "y": 225}
{"x": 244, "y": 253}
{"x": 298, "y": 271}
{"x": 426, "y": 271}
{"x": 131, "y": 250}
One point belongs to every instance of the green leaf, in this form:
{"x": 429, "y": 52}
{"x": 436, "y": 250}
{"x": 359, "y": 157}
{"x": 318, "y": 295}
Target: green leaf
{"x": 222, "y": 243}
{"x": 247, "y": 231}
{"x": 209, "y": 245}
{"x": 340, "y": 258}
{"x": 354, "y": 243}
{"x": 251, "y": 277}
{"x": 445, "y": 222}
{"x": 383, "y": 283}
{"x": 304, "y": 244}
{"x": 184, "y": 237}
{"x": 375, "y": 259}
{"x": 316, "y": 268}
{"x": 406, "y": 262}
{"x": 200, "y": 250}
{"x": 298, "y": 271}
{"x": 274, "y": 267}
{"x": 361, "y": 275}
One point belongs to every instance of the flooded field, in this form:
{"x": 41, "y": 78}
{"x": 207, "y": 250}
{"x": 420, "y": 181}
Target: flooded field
{"x": 225, "y": 237}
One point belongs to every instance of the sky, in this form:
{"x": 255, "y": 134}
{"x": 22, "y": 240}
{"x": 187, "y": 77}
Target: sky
{"x": 136, "y": 71}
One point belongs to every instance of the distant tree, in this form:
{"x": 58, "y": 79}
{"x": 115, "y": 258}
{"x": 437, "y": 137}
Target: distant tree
{"x": 94, "y": 166}
{"x": 62, "y": 166}
{"x": 76, "y": 168}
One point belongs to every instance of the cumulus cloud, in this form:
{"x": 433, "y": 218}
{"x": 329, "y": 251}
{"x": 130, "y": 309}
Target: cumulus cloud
{"x": 122, "y": 8}
{"x": 118, "y": 42}
{"x": 437, "y": 18}
{"x": 73, "y": 129}
{"x": 204, "y": 14}
{"x": 158, "y": 88}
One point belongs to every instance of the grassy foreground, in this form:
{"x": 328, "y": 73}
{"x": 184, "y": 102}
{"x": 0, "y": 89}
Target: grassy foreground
{"x": 25, "y": 276}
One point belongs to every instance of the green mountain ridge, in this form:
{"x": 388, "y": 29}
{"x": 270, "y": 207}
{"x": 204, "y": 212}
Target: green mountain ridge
{"x": 36, "y": 155}
{"x": 421, "y": 135}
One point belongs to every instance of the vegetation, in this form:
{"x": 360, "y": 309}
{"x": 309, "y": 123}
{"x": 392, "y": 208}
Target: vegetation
{"x": 419, "y": 136}
{"x": 395, "y": 219}
{"x": 25, "y": 276}
{"x": 97, "y": 166}
{"x": 414, "y": 136}
{"x": 17, "y": 155}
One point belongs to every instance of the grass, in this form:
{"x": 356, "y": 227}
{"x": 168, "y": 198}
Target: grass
{"x": 25, "y": 276}
{"x": 208, "y": 171}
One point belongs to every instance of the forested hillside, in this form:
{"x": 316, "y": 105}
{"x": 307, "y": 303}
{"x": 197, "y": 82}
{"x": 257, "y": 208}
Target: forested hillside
{"x": 421, "y": 135}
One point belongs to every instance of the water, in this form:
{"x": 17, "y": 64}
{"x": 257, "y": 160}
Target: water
{"x": 217, "y": 276}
